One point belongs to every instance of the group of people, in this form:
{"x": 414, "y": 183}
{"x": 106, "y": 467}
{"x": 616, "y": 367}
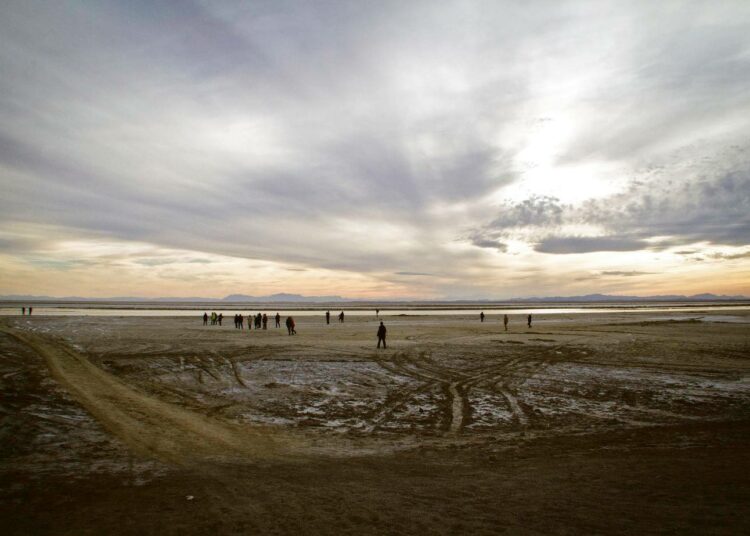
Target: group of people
{"x": 261, "y": 320}
{"x": 341, "y": 316}
{"x": 214, "y": 318}
{"x": 23, "y": 311}
{"x": 505, "y": 320}
{"x": 258, "y": 321}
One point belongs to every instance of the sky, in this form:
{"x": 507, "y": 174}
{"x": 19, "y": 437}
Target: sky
{"x": 378, "y": 150}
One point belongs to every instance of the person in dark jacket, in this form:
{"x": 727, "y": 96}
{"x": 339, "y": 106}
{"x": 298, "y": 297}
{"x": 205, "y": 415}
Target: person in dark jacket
{"x": 221, "y": 317}
{"x": 205, "y": 319}
{"x": 529, "y": 320}
{"x": 278, "y": 320}
{"x": 381, "y": 335}
{"x": 341, "y": 317}
{"x": 481, "y": 316}
{"x": 328, "y": 317}
{"x": 505, "y": 322}
{"x": 265, "y": 321}
{"x": 290, "y": 325}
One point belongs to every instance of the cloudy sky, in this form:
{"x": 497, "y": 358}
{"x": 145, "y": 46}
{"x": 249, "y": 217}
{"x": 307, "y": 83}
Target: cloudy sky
{"x": 374, "y": 149}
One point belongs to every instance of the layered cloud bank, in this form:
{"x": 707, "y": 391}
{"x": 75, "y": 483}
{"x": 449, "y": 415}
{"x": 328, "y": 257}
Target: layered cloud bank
{"x": 451, "y": 150}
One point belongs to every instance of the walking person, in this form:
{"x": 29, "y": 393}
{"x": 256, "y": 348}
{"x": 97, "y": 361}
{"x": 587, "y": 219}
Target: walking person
{"x": 205, "y": 319}
{"x": 505, "y": 322}
{"x": 278, "y": 320}
{"x": 290, "y": 326}
{"x": 328, "y": 317}
{"x": 341, "y": 317}
{"x": 381, "y": 335}
{"x": 221, "y": 317}
{"x": 241, "y": 321}
{"x": 481, "y": 316}
{"x": 529, "y": 320}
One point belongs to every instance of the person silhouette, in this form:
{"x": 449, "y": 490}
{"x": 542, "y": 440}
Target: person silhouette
{"x": 505, "y": 322}
{"x": 278, "y": 320}
{"x": 481, "y": 316}
{"x": 529, "y": 320}
{"x": 205, "y": 319}
{"x": 341, "y": 317}
{"x": 290, "y": 326}
{"x": 328, "y": 317}
{"x": 381, "y": 335}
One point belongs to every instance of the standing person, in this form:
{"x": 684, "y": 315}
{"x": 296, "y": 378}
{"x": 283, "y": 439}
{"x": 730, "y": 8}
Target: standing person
{"x": 205, "y": 319}
{"x": 381, "y": 335}
{"x": 236, "y": 323}
{"x": 258, "y": 320}
{"x": 221, "y": 317}
{"x": 213, "y": 318}
{"x": 328, "y": 317}
{"x": 278, "y": 320}
{"x": 529, "y": 320}
{"x": 23, "y": 311}
{"x": 341, "y": 317}
{"x": 290, "y": 325}
{"x": 294, "y": 327}
{"x": 505, "y": 322}
{"x": 265, "y": 321}
{"x": 377, "y": 313}
{"x": 30, "y": 309}
{"x": 241, "y": 321}
{"x": 481, "y": 316}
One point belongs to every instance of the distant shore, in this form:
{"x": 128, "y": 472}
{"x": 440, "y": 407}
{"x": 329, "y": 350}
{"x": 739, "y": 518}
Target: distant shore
{"x": 115, "y": 308}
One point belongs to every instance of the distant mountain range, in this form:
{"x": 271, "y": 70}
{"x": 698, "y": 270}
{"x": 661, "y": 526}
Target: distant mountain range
{"x": 282, "y": 297}
{"x": 609, "y": 298}
{"x": 298, "y": 298}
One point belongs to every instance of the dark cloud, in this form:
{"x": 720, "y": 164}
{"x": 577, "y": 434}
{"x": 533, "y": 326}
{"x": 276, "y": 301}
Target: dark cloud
{"x": 713, "y": 209}
{"x": 481, "y": 242}
{"x": 534, "y": 211}
{"x": 588, "y": 244}
{"x": 730, "y": 256}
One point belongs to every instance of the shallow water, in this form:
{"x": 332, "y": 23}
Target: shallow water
{"x": 305, "y": 310}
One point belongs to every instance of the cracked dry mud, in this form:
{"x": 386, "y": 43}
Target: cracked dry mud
{"x": 608, "y": 423}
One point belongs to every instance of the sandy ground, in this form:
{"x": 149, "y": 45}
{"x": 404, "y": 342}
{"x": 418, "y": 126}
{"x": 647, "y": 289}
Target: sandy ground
{"x": 607, "y": 423}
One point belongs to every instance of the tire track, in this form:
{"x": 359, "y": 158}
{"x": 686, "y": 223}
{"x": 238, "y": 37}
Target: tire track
{"x": 457, "y": 384}
{"x": 148, "y": 425}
